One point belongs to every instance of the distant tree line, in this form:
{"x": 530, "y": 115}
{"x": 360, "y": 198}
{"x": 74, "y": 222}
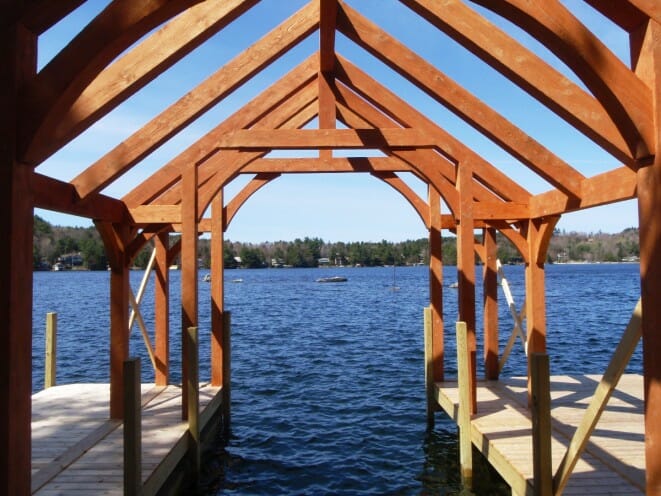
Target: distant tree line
{"x": 56, "y": 243}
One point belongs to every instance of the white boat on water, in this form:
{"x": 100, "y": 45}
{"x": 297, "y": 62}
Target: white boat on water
{"x": 332, "y": 279}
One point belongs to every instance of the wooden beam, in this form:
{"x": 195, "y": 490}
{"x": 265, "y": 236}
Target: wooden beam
{"x": 52, "y": 194}
{"x": 454, "y": 97}
{"x": 162, "y": 309}
{"x": 490, "y": 303}
{"x": 134, "y": 70}
{"x": 290, "y": 88}
{"x": 525, "y": 69}
{"x": 189, "y": 293}
{"x": 466, "y": 269}
{"x": 624, "y": 96}
{"x": 18, "y": 49}
{"x": 327, "y": 18}
{"x": 218, "y": 224}
{"x": 156, "y": 214}
{"x": 649, "y": 205}
{"x": 624, "y": 14}
{"x": 436, "y": 284}
{"x": 612, "y": 186}
{"x": 196, "y": 102}
{"x": 316, "y": 139}
{"x": 41, "y": 15}
{"x": 339, "y": 165}
{"x": 115, "y": 29}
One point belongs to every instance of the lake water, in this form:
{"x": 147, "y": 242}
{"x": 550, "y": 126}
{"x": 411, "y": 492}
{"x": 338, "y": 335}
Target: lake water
{"x": 327, "y": 379}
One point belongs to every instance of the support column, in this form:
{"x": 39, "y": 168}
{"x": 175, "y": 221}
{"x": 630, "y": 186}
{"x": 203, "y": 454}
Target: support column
{"x": 18, "y": 62}
{"x": 217, "y": 288}
{"x": 490, "y": 301}
{"x": 189, "y": 234}
{"x": 647, "y": 62}
{"x": 466, "y": 270}
{"x": 538, "y": 234}
{"x": 162, "y": 309}
{"x": 436, "y": 283}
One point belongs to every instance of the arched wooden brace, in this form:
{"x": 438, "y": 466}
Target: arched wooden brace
{"x": 647, "y": 56}
{"x": 121, "y": 24}
{"x": 624, "y": 96}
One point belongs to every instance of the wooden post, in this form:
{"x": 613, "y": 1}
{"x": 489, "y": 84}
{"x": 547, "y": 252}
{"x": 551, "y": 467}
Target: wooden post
{"x": 429, "y": 366}
{"x": 50, "y": 363}
{"x": 18, "y": 49}
{"x": 436, "y": 284}
{"x": 192, "y": 401}
{"x": 490, "y": 301}
{"x": 189, "y": 295}
{"x": 466, "y": 269}
{"x": 119, "y": 335}
{"x": 541, "y": 424}
{"x": 227, "y": 367}
{"x": 217, "y": 289}
{"x": 464, "y": 414}
{"x": 132, "y": 428}
{"x": 162, "y": 310}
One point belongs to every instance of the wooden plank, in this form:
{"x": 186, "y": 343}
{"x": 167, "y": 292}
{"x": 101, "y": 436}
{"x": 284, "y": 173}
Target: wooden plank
{"x": 218, "y": 226}
{"x": 494, "y": 126}
{"x": 436, "y": 283}
{"x": 296, "y": 165}
{"x": 156, "y": 214}
{"x": 510, "y": 211}
{"x": 429, "y": 364}
{"x": 192, "y": 401}
{"x": 132, "y": 431}
{"x": 196, "y": 102}
{"x": 525, "y": 69}
{"x": 306, "y": 139}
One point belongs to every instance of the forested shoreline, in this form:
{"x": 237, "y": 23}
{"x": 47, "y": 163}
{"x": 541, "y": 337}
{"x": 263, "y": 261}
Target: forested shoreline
{"x": 81, "y": 248}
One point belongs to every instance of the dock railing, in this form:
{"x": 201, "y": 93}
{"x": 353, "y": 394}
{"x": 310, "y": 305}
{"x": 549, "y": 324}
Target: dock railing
{"x": 517, "y": 317}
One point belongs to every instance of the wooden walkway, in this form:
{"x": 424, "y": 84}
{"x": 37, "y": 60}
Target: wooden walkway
{"x": 614, "y": 460}
{"x": 76, "y": 449}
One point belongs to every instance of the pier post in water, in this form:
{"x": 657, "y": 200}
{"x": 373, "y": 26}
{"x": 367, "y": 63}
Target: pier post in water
{"x": 50, "y": 363}
{"x": 429, "y": 366}
{"x": 132, "y": 428}
{"x": 226, "y": 383}
{"x": 193, "y": 401}
{"x": 464, "y": 415}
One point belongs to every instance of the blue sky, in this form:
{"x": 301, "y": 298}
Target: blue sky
{"x": 341, "y": 207}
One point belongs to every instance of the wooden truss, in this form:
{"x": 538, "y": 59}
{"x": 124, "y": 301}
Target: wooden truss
{"x": 130, "y": 43}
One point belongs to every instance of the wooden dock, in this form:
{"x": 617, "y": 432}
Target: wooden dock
{"x": 76, "y": 449}
{"x": 614, "y": 460}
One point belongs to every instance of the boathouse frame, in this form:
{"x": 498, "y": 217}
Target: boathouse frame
{"x": 41, "y": 111}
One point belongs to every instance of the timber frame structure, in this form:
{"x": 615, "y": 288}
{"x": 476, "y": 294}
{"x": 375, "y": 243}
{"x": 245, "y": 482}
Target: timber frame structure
{"x": 131, "y": 42}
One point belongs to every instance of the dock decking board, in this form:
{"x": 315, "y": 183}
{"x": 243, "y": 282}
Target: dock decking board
{"x": 614, "y": 460}
{"x": 77, "y": 449}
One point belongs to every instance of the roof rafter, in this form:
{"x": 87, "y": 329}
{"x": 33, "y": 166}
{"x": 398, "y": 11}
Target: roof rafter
{"x": 525, "y": 69}
{"x": 133, "y": 71}
{"x": 454, "y": 97}
{"x": 624, "y": 96}
{"x": 196, "y": 102}
{"x": 118, "y": 26}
